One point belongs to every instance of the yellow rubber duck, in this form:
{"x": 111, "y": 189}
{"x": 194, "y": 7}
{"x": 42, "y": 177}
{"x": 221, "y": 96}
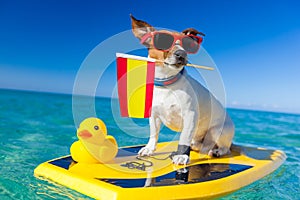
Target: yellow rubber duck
{"x": 94, "y": 145}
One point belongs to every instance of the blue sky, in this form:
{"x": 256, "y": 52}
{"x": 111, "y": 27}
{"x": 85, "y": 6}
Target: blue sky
{"x": 255, "y": 44}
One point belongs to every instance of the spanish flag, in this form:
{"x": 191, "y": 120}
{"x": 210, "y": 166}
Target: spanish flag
{"x": 135, "y": 85}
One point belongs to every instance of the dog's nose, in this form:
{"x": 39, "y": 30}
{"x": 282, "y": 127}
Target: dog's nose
{"x": 181, "y": 55}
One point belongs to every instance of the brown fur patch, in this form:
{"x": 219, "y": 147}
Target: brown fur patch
{"x": 139, "y": 26}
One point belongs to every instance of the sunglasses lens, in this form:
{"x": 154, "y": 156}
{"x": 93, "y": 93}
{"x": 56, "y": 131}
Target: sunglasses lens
{"x": 163, "y": 41}
{"x": 191, "y": 44}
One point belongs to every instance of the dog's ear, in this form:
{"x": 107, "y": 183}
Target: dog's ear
{"x": 192, "y": 31}
{"x": 140, "y": 28}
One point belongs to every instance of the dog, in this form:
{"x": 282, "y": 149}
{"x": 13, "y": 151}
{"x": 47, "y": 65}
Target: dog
{"x": 179, "y": 101}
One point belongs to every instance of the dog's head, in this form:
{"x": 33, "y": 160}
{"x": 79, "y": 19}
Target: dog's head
{"x": 169, "y": 48}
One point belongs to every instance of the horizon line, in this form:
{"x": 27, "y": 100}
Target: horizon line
{"x": 240, "y": 107}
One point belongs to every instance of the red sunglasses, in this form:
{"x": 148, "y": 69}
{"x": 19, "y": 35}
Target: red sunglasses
{"x": 165, "y": 41}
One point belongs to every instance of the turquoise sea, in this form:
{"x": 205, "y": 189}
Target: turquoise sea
{"x": 36, "y": 127}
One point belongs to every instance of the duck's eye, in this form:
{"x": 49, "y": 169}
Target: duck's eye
{"x": 96, "y": 127}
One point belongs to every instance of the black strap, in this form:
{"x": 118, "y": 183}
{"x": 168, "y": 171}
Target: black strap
{"x": 181, "y": 150}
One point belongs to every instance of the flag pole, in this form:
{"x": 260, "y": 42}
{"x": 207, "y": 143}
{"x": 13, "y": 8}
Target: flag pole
{"x": 192, "y": 65}
{"x": 160, "y": 61}
{"x": 199, "y": 66}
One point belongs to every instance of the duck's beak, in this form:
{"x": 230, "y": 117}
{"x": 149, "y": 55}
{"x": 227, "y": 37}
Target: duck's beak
{"x": 84, "y": 134}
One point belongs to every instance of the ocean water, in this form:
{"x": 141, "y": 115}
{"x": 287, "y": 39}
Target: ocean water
{"x": 36, "y": 127}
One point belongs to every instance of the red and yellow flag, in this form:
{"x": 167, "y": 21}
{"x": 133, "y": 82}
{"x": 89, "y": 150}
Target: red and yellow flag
{"x": 135, "y": 85}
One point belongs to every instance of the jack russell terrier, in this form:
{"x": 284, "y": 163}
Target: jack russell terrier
{"x": 179, "y": 101}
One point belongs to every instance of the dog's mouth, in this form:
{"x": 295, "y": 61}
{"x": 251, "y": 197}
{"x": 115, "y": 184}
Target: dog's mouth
{"x": 177, "y": 65}
{"x": 176, "y": 61}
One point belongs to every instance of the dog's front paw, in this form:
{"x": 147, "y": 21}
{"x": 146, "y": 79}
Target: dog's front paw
{"x": 218, "y": 152}
{"x": 214, "y": 153}
{"x": 180, "y": 159}
{"x": 145, "y": 151}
